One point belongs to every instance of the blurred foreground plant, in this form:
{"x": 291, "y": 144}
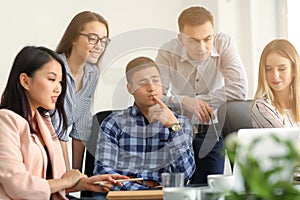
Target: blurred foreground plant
{"x": 260, "y": 182}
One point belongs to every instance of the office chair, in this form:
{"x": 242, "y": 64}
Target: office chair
{"x": 234, "y": 115}
{"x": 91, "y": 147}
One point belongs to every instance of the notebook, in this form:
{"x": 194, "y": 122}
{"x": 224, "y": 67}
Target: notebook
{"x": 265, "y": 149}
{"x": 136, "y": 194}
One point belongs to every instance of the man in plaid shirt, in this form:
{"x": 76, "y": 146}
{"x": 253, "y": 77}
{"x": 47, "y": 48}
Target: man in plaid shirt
{"x": 147, "y": 138}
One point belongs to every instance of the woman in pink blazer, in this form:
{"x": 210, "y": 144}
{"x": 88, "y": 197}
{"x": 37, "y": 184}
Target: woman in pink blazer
{"x": 31, "y": 160}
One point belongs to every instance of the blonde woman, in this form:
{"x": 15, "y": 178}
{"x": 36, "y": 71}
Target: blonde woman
{"x": 276, "y": 102}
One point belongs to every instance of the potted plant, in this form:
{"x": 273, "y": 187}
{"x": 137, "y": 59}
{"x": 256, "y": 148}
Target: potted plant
{"x": 261, "y": 181}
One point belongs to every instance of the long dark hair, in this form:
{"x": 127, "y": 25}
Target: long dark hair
{"x": 14, "y": 98}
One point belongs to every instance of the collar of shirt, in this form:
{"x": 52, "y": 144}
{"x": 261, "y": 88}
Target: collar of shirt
{"x": 88, "y": 68}
{"x": 163, "y": 136}
{"x": 185, "y": 57}
{"x": 134, "y": 111}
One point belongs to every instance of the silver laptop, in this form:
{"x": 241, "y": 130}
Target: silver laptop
{"x": 264, "y": 150}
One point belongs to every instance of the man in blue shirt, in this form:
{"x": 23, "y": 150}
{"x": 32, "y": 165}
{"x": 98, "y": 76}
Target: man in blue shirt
{"x": 147, "y": 138}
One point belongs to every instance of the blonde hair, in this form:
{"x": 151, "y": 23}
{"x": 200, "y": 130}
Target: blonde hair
{"x": 287, "y": 50}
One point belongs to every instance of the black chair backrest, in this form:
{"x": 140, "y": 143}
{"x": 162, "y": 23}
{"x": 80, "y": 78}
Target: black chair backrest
{"x": 234, "y": 115}
{"x": 91, "y": 147}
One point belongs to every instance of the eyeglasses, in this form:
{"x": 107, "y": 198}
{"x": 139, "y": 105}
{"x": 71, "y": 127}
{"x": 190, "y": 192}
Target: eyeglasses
{"x": 94, "y": 39}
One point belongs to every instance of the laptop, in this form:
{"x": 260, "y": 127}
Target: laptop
{"x": 264, "y": 150}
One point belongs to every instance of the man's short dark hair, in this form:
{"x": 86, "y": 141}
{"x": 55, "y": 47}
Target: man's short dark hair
{"x": 194, "y": 16}
{"x": 138, "y": 64}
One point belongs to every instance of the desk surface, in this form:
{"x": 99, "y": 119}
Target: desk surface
{"x": 137, "y": 194}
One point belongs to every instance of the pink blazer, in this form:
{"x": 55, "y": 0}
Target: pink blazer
{"x": 23, "y": 160}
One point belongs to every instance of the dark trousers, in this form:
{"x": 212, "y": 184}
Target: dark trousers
{"x": 209, "y": 156}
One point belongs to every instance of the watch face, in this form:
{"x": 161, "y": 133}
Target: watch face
{"x": 176, "y": 127}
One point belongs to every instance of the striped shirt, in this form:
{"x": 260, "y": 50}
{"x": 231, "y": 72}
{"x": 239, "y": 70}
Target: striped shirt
{"x": 265, "y": 115}
{"x": 78, "y": 104}
{"x": 128, "y": 145}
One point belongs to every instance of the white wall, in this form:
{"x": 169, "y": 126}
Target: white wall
{"x": 137, "y": 27}
{"x": 252, "y": 23}
{"x": 293, "y": 23}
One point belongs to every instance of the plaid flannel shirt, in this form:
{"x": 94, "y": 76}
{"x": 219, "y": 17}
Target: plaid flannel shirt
{"x": 129, "y": 145}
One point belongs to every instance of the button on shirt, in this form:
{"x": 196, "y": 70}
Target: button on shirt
{"x": 78, "y": 104}
{"x": 219, "y": 78}
{"x": 129, "y": 145}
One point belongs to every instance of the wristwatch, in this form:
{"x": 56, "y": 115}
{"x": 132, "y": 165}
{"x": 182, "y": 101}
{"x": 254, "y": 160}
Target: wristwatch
{"x": 175, "y": 127}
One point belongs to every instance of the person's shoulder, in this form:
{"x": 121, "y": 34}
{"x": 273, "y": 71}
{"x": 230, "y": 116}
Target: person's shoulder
{"x": 117, "y": 115}
{"x": 6, "y": 113}
{"x": 262, "y": 100}
{"x": 171, "y": 45}
{"x": 221, "y": 36}
{"x": 12, "y": 119}
{"x": 222, "y": 39}
{"x": 62, "y": 56}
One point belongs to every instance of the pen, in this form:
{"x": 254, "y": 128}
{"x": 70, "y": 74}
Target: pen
{"x": 216, "y": 132}
{"x": 101, "y": 183}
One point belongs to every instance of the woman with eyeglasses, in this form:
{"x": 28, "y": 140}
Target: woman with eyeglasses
{"x": 81, "y": 49}
{"x": 31, "y": 158}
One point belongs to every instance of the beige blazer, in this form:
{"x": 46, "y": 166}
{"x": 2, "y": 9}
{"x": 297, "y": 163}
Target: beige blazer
{"x": 23, "y": 160}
